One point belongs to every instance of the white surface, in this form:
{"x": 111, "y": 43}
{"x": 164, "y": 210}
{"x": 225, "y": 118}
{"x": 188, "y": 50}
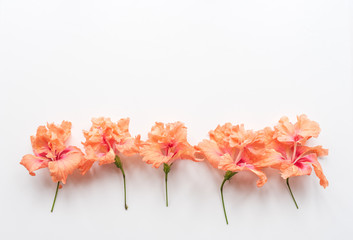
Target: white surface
{"x": 200, "y": 62}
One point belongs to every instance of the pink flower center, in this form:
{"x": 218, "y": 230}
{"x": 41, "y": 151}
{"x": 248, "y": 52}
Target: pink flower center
{"x": 170, "y": 147}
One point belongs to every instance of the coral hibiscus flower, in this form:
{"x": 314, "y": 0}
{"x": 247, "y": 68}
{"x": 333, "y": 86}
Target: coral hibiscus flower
{"x": 105, "y": 141}
{"x": 295, "y": 158}
{"x": 234, "y": 149}
{"x": 166, "y": 144}
{"x": 50, "y": 151}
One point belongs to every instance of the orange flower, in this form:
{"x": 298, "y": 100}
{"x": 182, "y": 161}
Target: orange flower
{"x": 294, "y": 158}
{"x": 165, "y": 144}
{"x": 50, "y": 151}
{"x": 233, "y": 149}
{"x": 105, "y": 141}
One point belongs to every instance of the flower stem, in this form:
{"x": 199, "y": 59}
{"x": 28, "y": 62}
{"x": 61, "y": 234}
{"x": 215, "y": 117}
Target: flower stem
{"x": 224, "y": 208}
{"x": 122, "y": 171}
{"x": 290, "y": 190}
{"x": 166, "y": 169}
{"x": 227, "y": 176}
{"x": 56, "y": 194}
{"x": 166, "y": 189}
{"x": 119, "y": 165}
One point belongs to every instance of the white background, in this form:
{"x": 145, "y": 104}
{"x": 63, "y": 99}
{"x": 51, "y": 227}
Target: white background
{"x": 200, "y": 62}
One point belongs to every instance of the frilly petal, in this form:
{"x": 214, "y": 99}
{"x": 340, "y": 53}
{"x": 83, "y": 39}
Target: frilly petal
{"x": 105, "y": 139}
{"x": 167, "y": 143}
{"x": 85, "y": 165}
{"x": 129, "y": 146}
{"x": 227, "y": 164}
{"x": 33, "y": 163}
{"x": 269, "y": 158}
{"x": 189, "y": 153}
{"x": 284, "y": 131}
{"x": 152, "y": 155}
{"x": 211, "y": 151}
{"x": 262, "y": 177}
{"x": 306, "y": 128}
{"x": 291, "y": 170}
{"x": 106, "y": 158}
{"x": 319, "y": 151}
{"x": 319, "y": 173}
{"x": 163, "y": 133}
{"x": 123, "y": 125}
{"x": 61, "y": 132}
{"x": 299, "y": 132}
{"x": 51, "y": 139}
{"x": 87, "y": 161}
{"x": 68, "y": 162}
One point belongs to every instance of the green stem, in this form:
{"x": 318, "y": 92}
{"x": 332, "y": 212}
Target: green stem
{"x": 119, "y": 165}
{"x": 122, "y": 171}
{"x": 166, "y": 189}
{"x": 227, "y": 176}
{"x": 166, "y": 169}
{"x": 56, "y": 194}
{"x": 290, "y": 190}
{"x": 224, "y": 208}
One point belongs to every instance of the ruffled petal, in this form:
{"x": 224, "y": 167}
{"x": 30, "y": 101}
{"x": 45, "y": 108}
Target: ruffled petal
{"x": 309, "y": 155}
{"x": 284, "y": 131}
{"x": 269, "y": 158}
{"x": 105, "y": 139}
{"x": 88, "y": 160}
{"x": 241, "y": 138}
{"x": 262, "y": 177}
{"x": 211, "y": 151}
{"x": 306, "y": 128}
{"x": 123, "y": 126}
{"x": 51, "y": 139}
{"x": 188, "y": 152}
{"x": 106, "y": 158}
{"x": 319, "y": 151}
{"x": 227, "y": 164}
{"x": 167, "y": 143}
{"x": 33, "y": 163}
{"x": 267, "y": 134}
{"x": 85, "y": 165}
{"x": 291, "y": 170}
{"x": 221, "y": 133}
{"x": 179, "y": 132}
{"x": 61, "y": 132}
{"x": 299, "y": 132}
{"x": 163, "y": 133}
{"x": 58, "y": 135}
{"x": 129, "y": 146}
{"x": 40, "y": 142}
{"x": 69, "y": 160}
{"x": 152, "y": 154}
{"x": 157, "y": 132}
{"x": 319, "y": 173}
